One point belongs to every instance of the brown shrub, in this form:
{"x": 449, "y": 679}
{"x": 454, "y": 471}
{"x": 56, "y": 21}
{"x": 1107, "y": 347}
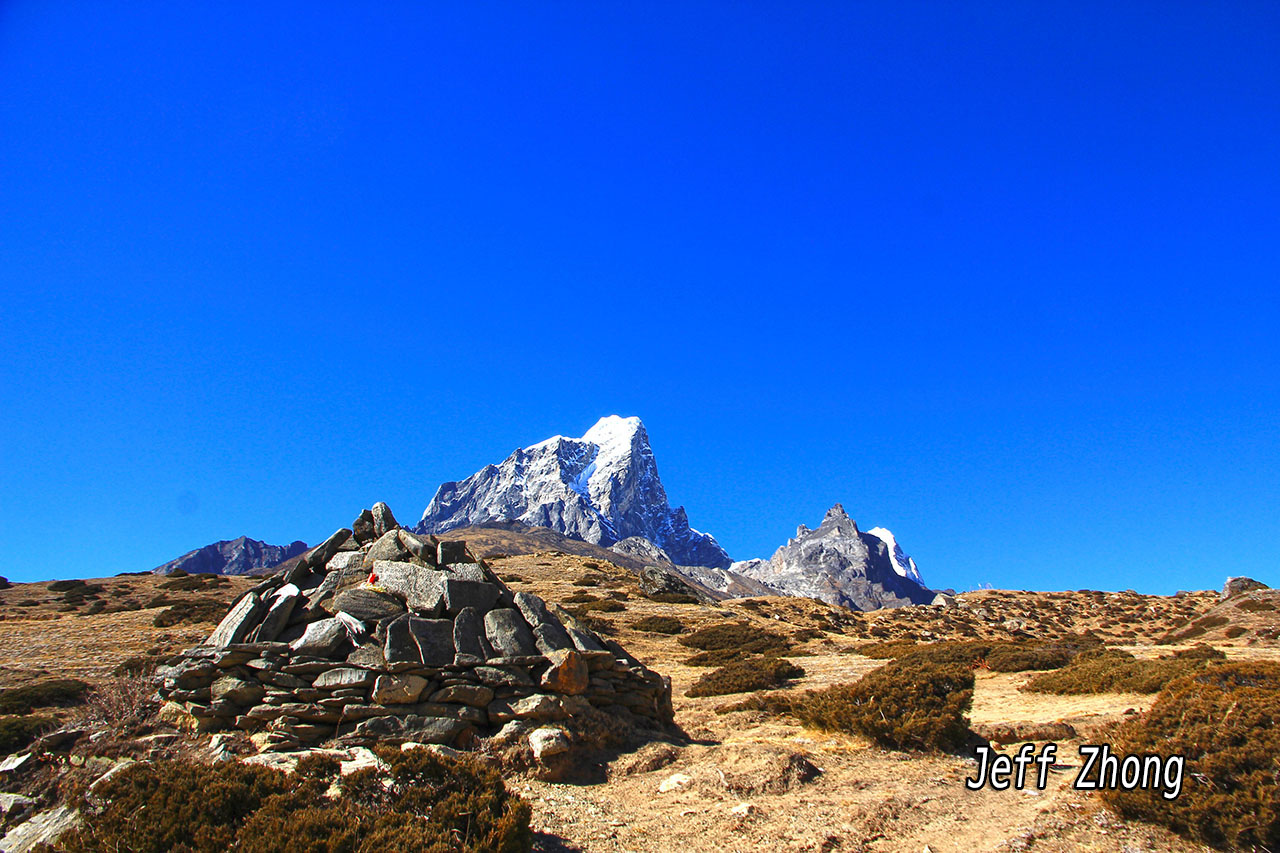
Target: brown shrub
{"x": 730, "y": 636}
{"x": 188, "y": 583}
{"x": 123, "y": 703}
{"x": 723, "y": 657}
{"x": 1256, "y": 606}
{"x": 1223, "y": 721}
{"x": 1116, "y": 671}
{"x": 56, "y": 692}
{"x": 659, "y": 625}
{"x": 1193, "y": 629}
{"x": 674, "y": 598}
{"x": 608, "y": 605}
{"x": 589, "y": 580}
{"x": 18, "y": 732}
{"x": 903, "y": 705}
{"x": 419, "y": 803}
{"x": 191, "y": 612}
{"x": 773, "y": 704}
{"x": 887, "y": 650}
{"x": 745, "y": 676}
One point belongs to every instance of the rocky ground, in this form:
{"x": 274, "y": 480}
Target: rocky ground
{"x": 739, "y": 780}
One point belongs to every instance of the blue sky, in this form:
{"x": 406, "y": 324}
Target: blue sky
{"x": 1000, "y": 277}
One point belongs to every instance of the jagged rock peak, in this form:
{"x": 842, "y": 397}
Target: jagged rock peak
{"x": 840, "y": 564}
{"x": 601, "y": 488}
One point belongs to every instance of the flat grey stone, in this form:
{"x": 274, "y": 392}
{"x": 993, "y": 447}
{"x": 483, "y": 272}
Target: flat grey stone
{"x": 435, "y": 640}
{"x": 362, "y": 527}
{"x": 475, "y": 695}
{"x": 467, "y": 572}
{"x": 438, "y": 730}
{"x": 237, "y": 690}
{"x": 468, "y": 638}
{"x": 383, "y": 520}
{"x": 322, "y": 553}
{"x": 368, "y": 654}
{"x": 503, "y": 676}
{"x": 344, "y": 676}
{"x": 367, "y": 605}
{"x": 421, "y": 588}
{"x": 398, "y": 689}
{"x": 508, "y": 635}
{"x": 548, "y": 633}
{"x": 236, "y": 625}
{"x": 400, "y": 647}
{"x": 584, "y": 642}
{"x": 422, "y": 549}
{"x": 387, "y": 547}
{"x": 321, "y": 639}
{"x": 459, "y": 594}
{"x": 452, "y": 551}
{"x": 279, "y": 611}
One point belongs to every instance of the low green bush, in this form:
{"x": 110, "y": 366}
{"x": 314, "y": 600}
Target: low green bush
{"x": 745, "y": 677}
{"x": 53, "y": 693}
{"x": 419, "y": 803}
{"x": 1223, "y": 720}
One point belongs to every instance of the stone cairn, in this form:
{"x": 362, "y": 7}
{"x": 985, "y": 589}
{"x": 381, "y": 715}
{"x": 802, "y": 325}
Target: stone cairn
{"x": 381, "y": 634}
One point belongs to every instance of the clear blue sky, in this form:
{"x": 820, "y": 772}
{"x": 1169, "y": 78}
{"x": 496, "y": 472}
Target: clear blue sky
{"x": 1004, "y": 278}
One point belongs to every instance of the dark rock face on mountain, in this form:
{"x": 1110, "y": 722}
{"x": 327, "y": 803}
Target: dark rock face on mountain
{"x": 839, "y": 564}
{"x": 232, "y": 557}
{"x": 601, "y": 488}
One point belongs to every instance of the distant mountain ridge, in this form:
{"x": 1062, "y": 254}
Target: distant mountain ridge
{"x": 232, "y": 557}
{"x": 601, "y": 488}
{"x": 840, "y": 564}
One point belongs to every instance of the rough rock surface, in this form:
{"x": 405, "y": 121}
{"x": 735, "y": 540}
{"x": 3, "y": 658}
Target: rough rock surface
{"x": 839, "y": 564}
{"x": 601, "y": 488}
{"x": 399, "y": 662}
{"x": 232, "y": 557}
{"x": 1236, "y": 586}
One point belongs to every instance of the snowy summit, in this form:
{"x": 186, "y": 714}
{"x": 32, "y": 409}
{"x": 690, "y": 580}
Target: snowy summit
{"x": 600, "y": 488}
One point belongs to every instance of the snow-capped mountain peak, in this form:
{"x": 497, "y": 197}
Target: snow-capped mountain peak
{"x": 902, "y": 564}
{"x": 601, "y": 488}
{"x": 840, "y": 564}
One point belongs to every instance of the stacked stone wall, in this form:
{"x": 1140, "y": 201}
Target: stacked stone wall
{"x": 381, "y": 634}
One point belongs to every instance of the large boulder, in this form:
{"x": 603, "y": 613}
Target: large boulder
{"x": 1239, "y": 585}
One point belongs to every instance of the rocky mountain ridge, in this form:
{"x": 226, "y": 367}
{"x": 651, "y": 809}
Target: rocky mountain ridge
{"x": 601, "y": 488}
{"x": 238, "y": 556}
{"x": 840, "y": 564}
